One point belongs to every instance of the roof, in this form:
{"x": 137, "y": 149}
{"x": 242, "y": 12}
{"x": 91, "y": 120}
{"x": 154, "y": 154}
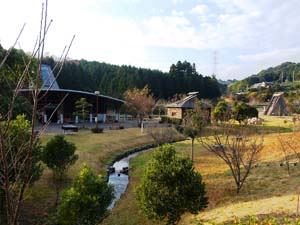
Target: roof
{"x": 77, "y": 92}
{"x": 277, "y": 94}
{"x": 50, "y": 84}
{"x": 184, "y": 103}
{"x": 49, "y": 80}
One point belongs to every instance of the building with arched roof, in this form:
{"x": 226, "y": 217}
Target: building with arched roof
{"x": 58, "y": 104}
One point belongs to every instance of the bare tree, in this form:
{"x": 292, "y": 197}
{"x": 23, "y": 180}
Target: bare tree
{"x": 161, "y": 135}
{"x": 193, "y": 123}
{"x": 287, "y": 148}
{"x": 237, "y": 151}
{"x": 11, "y": 161}
{"x": 292, "y": 142}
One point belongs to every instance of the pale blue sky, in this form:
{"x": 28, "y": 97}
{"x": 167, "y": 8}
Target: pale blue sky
{"x": 248, "y": 35}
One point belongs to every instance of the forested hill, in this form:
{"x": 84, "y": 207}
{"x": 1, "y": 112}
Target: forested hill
{"x": 287, "y": 71}
{"x": 115, "y": 80}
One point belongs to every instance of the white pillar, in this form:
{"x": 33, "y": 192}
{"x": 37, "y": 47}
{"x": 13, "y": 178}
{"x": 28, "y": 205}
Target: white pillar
{"x": 76, "y": 119}
{"x": 104, "y": 118}
{"x": 117, "y": 116}
{"x": 61, "y": 118}
{"x": 142, "y": 127}
{"x": 91, "y": 118}
{"x": 96, "y": 119}
{"x": 45, "y": 118}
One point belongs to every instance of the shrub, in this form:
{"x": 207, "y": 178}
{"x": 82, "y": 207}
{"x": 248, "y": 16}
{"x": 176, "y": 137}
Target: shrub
{"x": 170, "y": 187}
{"x": 175, "y": 121}
{"x": 86, "y": 201}
{"x": 179, "y": 128}
{"x": 97, "y": 130}
{"x": 58, "y": 155}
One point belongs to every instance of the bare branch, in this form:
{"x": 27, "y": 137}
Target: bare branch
{"x": 236, "y": 151}
{"x": 11, "y": 48}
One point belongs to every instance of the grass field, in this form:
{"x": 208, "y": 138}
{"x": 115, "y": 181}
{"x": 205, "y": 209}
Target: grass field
{"x": 269, "y": 191}
{"x": 96, "y": 150}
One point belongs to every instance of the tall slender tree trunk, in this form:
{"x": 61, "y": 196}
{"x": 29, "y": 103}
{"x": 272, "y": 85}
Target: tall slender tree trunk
{"x": 193, "y": 139}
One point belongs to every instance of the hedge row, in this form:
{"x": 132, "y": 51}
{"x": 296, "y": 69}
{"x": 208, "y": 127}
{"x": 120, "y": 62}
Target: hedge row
{"x": 175, "y": 121}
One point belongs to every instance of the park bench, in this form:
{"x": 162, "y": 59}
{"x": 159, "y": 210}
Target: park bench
{"x": 69, "y": 127}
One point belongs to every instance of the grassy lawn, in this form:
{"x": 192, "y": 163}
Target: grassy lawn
{"x": 96, "y": 150}
{"x": 269, "y": 191}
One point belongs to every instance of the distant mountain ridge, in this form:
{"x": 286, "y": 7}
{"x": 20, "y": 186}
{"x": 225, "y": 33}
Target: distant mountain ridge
{"x": 287, "y": 71}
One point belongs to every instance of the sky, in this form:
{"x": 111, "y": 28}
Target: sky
{"x": 231, "y": 38}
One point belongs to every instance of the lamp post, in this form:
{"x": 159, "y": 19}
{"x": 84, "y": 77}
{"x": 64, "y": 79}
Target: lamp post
{"x": 97, "y": 94}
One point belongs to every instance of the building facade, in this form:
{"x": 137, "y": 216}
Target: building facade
{"x": 58, "y": 104}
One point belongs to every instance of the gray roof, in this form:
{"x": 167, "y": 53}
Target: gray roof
{"x": 49, "y": 79}
{"x": 78, "y": 92}
{"x": 187, "y": 102}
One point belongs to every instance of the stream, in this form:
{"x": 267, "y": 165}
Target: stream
{"x": 120, "y": 180}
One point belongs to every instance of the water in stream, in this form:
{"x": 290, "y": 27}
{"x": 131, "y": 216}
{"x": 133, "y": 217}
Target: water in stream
{"x": 119, "y": 180}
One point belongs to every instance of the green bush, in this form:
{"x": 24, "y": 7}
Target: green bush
{"x": 97, "y": 130}
{"x": 170, "y": 187}
{"x": 175, "y": 121}
{"x": 179, "y": 128}
{"x": 86, "y": 202}
{"x": 59, "y": 154}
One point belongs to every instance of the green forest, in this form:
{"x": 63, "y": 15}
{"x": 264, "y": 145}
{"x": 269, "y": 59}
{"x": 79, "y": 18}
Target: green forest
{"x": 109, "y": 79}
{"x": 114, "y": 80}
{"x": 285, "y": 72}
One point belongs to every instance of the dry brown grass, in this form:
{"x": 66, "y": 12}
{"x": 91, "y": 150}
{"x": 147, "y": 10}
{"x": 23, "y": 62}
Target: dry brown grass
{"x": 268, "y": 190}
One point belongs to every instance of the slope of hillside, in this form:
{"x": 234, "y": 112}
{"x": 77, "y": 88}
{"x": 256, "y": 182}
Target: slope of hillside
{"x": 114, "y": 80}
{"x": 287, "y": 71}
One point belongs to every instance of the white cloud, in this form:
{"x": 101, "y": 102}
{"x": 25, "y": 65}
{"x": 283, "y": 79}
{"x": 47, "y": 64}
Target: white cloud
{"x": 177, "y": 13}
{"x": 265, "y": 31}
{"x": 177, "y": 1}
{"x": 172, "y": 31}
{"x": 274, "y": 56}
{"x": 199, "y": 9}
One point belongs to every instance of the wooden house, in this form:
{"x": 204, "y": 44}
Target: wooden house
{"x": 177, "y": 109}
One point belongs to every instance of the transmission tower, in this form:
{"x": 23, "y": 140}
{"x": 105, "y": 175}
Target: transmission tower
{"x": 215, "y": 63}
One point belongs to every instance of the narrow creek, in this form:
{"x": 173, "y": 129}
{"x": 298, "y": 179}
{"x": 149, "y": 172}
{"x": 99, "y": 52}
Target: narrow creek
{"x": 120, "y": 178}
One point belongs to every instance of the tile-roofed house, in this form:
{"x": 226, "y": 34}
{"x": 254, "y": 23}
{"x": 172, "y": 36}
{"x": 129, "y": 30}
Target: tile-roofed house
{"x": 178, "y": 108}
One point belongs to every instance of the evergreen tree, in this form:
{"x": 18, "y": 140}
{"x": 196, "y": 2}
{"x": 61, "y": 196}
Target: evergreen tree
{"x": 170, "y": 187}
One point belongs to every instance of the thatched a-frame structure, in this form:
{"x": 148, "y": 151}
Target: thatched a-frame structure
{"x": 277, "y": 106}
